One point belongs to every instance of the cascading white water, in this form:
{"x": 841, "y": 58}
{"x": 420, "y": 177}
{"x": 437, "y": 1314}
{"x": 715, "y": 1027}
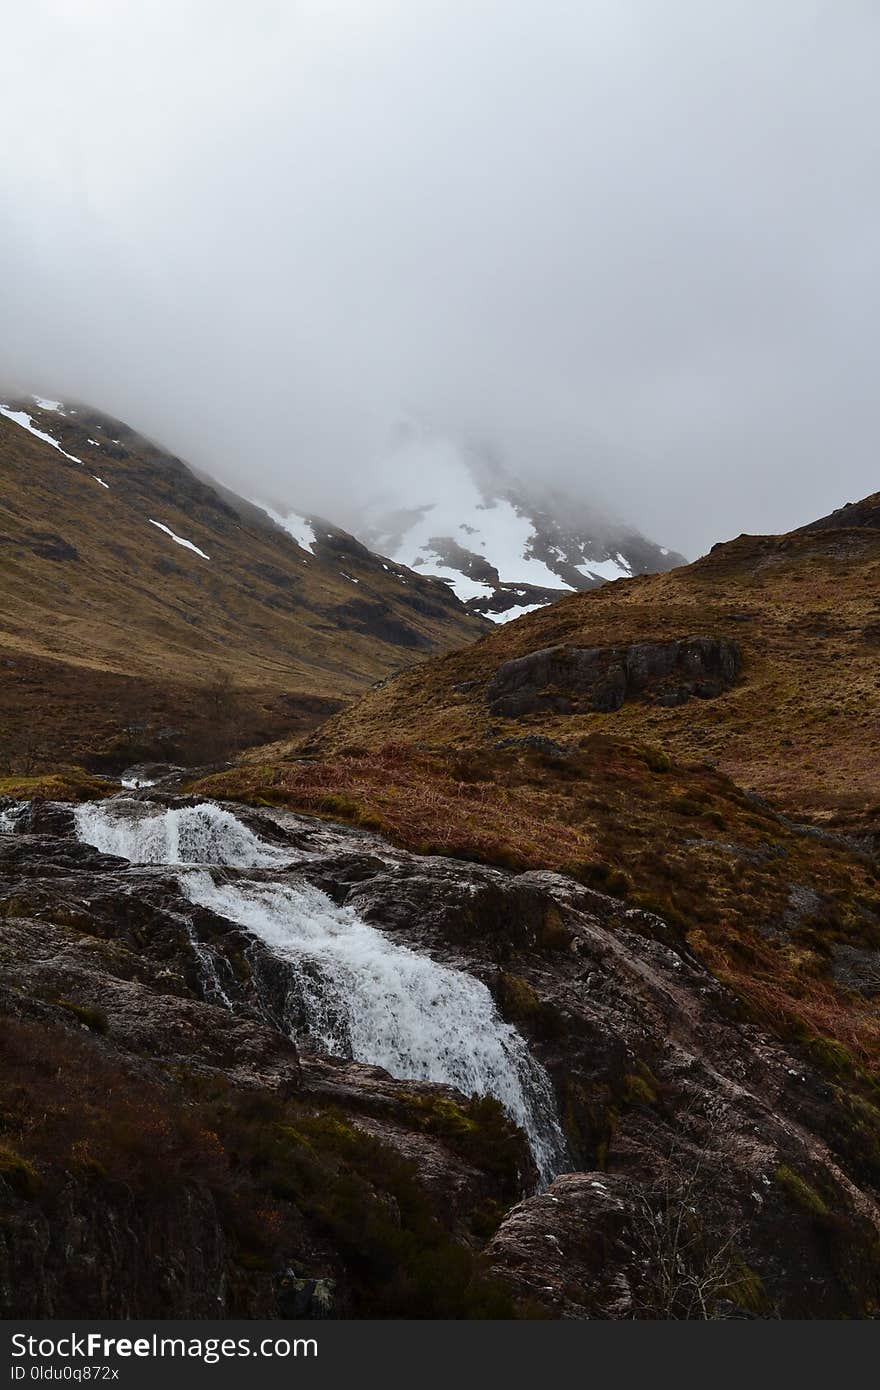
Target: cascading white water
{"x": 385, "y": 1004}
{"x": 202, "y": 834}
{"x": 363, "y": 996}
{"x": 9, "y": 817}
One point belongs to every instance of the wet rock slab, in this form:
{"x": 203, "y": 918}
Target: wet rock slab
{"x": 670, "y": 1097}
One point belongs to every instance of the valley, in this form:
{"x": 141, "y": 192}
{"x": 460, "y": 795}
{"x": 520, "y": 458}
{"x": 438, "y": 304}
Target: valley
{"x": 404, "y": 965}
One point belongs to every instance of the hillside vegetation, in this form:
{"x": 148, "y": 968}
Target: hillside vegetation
{"x": 116, "y": 638}
{"x": 747, "y": 819}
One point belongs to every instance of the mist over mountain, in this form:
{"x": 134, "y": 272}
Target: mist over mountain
{"x": 505, "y": 546}
{"x": 637, "y": 256}
{"x": 424, "y": 893}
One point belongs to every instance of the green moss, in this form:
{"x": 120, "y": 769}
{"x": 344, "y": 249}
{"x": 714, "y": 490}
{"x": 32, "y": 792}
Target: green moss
{"x": 801, "y": 1192}
{"x": 866, "y": 1113}
{"x": 88, "y": 1014}
{"x": 21, "y": 1176}
{"x": 251, "y": 1259}
{"x": 554, "y": 934}
{"x": 240, "y": 966}
{"x": 84, "y": 1163}
{"x": 589, "y": 1120}
{"x": 68, "y": 784}
{"x": 601, "y": 876}
{"x": 283, "y": 1175}
{"x": 654, "y": 758}
{"x": 371, "y": 1204}
{"x": 479, "y": 1131}
{"x": 487, "y": 1218}
{"x": 746, "y": 1289}
{"x": 517, "y": 998}
{"x": 637, "y": 1088}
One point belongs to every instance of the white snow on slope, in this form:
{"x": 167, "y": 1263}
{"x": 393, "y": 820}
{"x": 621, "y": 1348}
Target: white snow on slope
{"x": 606, "y": 569}
{"x": 19, "y": 417}
{"x": 179, "y": 539}
{"x": 512, "y": 613}
{"x": 101, "y": 481}
{"x": 294, "y": 524}
{"x": 491, "y": 529}
{"x": 45, "y": 404}
{"x": 463, "y": 587}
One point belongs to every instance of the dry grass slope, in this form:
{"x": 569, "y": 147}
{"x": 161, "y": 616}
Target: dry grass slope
{"x": 106, "y": 621}
{"x": 802, "y": 725}
{"x": 694, "y": 812}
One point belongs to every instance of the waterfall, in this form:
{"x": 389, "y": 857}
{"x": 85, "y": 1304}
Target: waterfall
{"x": 10, "y": 816}
{"x": 202, "y": 834}
{"x": 382, "y": 1003}
{"x": 363, "y": 995}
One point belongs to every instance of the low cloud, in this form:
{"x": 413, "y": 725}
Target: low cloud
{"x": 629, "y": 248}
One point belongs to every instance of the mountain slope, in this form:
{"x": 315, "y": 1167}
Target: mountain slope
{"x": 128, "y": 582}
{"x": 801, "y": 720}
{"x": 505, "y": 548}
{"x": 630, "y": 738}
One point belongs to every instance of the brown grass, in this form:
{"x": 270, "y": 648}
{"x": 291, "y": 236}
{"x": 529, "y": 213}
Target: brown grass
{"x": 431, "y": 805}
{"x": 802, "y": 725}
{"x": 289, "y": 1181}
{"x": 103, "y": 618}
{"x": 681, "y": 840}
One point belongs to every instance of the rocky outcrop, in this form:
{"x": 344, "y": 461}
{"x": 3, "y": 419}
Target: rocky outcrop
{"x": 576, "y": 680}
{"x": 716, "y": 1172}
{"x": 864, "y": 513}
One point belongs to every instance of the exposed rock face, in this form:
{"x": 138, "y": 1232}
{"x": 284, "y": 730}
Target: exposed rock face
{"x": 569, "y": 680}
{"x": 678, "y": 1111}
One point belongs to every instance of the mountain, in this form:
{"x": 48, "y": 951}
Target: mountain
{"x": 575, "y": 927}
{"x": 504, "y": 547}
{"x": 137, "y": 597}
{"x": 800, "y": 721}
{"x": 701, "y": 748}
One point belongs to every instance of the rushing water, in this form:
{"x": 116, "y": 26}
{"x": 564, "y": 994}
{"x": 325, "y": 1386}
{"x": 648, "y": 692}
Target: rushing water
{"x": 9, "y": 817}
{"x": 364, "y": 996}
{"x": 202, "y": 834}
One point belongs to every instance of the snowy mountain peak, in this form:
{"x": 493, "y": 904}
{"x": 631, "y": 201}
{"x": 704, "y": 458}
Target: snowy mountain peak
{"x": 503, "y": 547}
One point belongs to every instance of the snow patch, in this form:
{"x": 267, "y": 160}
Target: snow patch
{"x": 179, "y": 539}
{"x": 491, "y": 528}
{"x": 463, "y": 587}
{"x": 605, "y": 569}
{"x": 512, "y": 613}
{"x": 295, "y": 525}
{"x": 45, "y": 404}
{"x": 19, "y": 417}
{"x": 101, "y": 481}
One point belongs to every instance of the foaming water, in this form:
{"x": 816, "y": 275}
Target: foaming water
{"x": 382, "y": 1003}
{"x": 9, "y": 817}
{"x": 361, "y": 994}
{"x": 203, "y": 834}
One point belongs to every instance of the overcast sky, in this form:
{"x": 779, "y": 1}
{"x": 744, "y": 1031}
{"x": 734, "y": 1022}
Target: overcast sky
{"x": 631, "y": 244}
